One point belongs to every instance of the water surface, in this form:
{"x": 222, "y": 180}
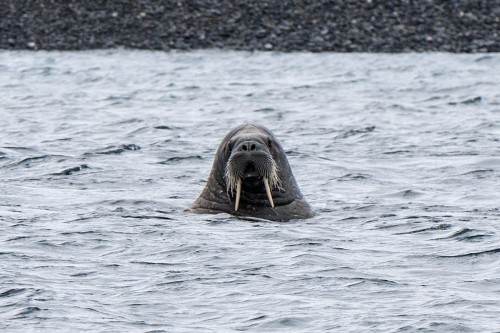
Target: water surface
{"x": 101, "y": 152}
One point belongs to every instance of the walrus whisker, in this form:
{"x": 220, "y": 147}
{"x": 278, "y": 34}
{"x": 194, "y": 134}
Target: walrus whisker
{"x": 231, "y": 178}
{"x": 268, "y": 191}
{"x": 272, "y": 174}
{"x": 238, "y": 194}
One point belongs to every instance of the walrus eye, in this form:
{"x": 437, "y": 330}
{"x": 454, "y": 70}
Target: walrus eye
{"x": 269, "y": 143}
{"x": 229, "y": 146}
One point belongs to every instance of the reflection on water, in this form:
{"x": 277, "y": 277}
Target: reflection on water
{"x": 101, "y": 152}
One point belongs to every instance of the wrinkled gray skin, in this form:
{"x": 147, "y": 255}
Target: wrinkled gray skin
{"x": 215, "y": 198}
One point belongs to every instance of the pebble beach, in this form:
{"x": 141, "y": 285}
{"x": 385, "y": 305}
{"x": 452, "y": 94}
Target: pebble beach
{"x": 315, "y": 26}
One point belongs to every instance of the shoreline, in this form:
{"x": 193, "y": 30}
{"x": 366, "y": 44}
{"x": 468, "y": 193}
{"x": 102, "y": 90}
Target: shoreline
{"x": 462, "y": 26}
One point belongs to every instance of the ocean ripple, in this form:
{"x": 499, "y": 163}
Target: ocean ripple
{"x": 101, "y": 152}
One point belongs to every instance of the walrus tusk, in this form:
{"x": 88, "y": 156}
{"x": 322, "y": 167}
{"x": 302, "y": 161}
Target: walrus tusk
{"x": 238, "y": 194}
{"x": 268, "y": 191}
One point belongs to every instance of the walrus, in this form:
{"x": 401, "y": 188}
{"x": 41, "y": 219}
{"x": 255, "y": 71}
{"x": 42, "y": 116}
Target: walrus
{"x": 251, "y": 177}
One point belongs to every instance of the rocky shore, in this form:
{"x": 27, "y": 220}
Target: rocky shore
{"x": 285, "y": 25}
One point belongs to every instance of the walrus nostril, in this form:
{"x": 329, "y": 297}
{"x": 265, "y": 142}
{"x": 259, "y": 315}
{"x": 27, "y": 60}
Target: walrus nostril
{"x": 249, "y": 146}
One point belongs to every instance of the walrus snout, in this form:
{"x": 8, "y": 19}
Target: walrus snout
{"x": 249, "y": 166}
{"x": 252, "y": 165}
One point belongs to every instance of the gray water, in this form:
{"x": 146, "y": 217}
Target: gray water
{"x": 101, "y": 153}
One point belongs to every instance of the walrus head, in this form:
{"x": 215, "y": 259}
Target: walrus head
{"x": 251, "y": 177}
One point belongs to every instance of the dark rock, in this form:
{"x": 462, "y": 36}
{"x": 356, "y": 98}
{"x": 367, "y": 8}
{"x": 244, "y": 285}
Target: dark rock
{"x": 285, "y": 25}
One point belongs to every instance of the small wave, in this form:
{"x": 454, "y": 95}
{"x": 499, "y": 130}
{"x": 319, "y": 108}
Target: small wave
{"x": 484, "y": 58}
{"x": 27, "y": 311}
{"x": 282, "y": 323}
{"x": 374, "y": 281}
{"x": 353, "y": 132}
{"x": 70, "y": 233}
{"x": 13, "y": 239}
{"x": 147, "y": 217}
{"x": 116, "y": 149}
{"x": 191, "y": 87}
{"x": 47, "y": 243}
{"x": 474, "y": 254}
{"x": 83, "y": 274}
{"x": 19, "y": 148}
{"x": 70, "y": 171}
{"x": 118, "y": 98}
{"x": 164, "y": 127}
{"x": 472, "y": 100}
{"x": 396, "y": 152}
{"x": 129, "y": 121}
{"x": 149, "y": 263}
{"x": 307, "y": 243}
{"x": 353, "y": 176}
{"x": 466, "y": 234}
{"x": 458, "y": 233}
{"x": 12, "y": 292}
{"x": 176, "y": 159}
{"x": 29, "y": 161}
{"x": 257, "y": 318}
{"x": 476, "y": 238}
{"x": 443, "y": 226}
{"x": 478, "y": 173}
{"x": 407, "y": 194}
{"x": 265, "y": 110}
